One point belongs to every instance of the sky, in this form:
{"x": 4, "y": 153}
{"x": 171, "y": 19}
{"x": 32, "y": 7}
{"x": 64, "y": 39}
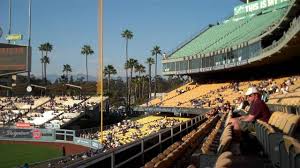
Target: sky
{"x": 70, "y": 24}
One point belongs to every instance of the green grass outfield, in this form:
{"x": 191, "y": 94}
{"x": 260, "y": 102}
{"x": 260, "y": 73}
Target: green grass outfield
{"x": 12, "y": 155}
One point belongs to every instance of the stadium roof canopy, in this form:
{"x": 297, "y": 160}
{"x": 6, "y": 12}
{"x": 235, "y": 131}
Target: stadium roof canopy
{"x": 255, "y": 31}
{"x": 248, "y": 0}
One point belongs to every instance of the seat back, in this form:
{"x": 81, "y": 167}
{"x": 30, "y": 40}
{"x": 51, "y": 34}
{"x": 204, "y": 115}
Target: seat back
{"x": 291, "y": 125}
{"x": 274, "y": 117}
{"x": 294, "y": 154}
{"x": 281, "y": 119}
{"x": 284, "y": 121}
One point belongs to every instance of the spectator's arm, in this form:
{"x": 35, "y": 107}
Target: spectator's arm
{"x": 249, "y": 117}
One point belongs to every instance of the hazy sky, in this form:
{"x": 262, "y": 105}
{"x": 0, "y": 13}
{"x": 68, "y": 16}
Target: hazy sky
{"x": 69, "y": 24}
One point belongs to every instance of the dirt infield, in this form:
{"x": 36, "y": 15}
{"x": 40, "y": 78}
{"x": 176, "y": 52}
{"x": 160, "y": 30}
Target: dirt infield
{"x": 69, "y": 148}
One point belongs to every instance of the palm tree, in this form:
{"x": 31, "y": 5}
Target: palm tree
{"x": 127, "y": 34}
{"x": 143, "y": 85}
{"x": 86, "y": 50}
{"x": 67, "y": 68}
{"x": 109, "y": 70}
{"x": 46, "y": 61}
{"x": 47, "y": 48}
{"x": 150, "y": 61}
{"x": 139, "y": 69}
{"x": 42, "y": 49}
{"x": 130, "y": 64}
{"x": 155, "y": 51}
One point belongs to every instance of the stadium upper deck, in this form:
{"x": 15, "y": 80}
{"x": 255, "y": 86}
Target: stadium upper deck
{"x": 242, "y": 39}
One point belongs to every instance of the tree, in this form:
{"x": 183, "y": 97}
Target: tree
{"x": 66, "y": 69}
{"x": 130, "y": 64}
{"x": 47, "y": 48}
{"x": 150, "y": 61}
{"x": 46, "y": 61}
{"x": 109, "y": 70}
{"x": 127, "y": 34}
{"x": 87, "y": 50}
{"x": 139, "y": 69}
{"x": 155, "y": 51}
{"x": 42, "y": 49}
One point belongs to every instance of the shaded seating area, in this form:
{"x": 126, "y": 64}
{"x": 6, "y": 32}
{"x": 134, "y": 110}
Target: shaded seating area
{"x": 272, "y": 134}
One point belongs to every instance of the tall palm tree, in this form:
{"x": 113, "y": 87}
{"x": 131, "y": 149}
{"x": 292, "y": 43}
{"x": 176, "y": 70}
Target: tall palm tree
{"x": 109, "y": 70}
{"x": 155, "y": 51}
{"x": 143, "y": 86}
{"x": 47, "y": 48}
{"x": 42, "y": 49}
{"x": 130, "y": 64}
{"x": 139, "y": 69}
{"x": 66, "y": 69}
{"x": 150, "y": 61}
{"x": 127, "y": 34}
{"x": 46, "y": 61}
{"x": 87, "y": 50}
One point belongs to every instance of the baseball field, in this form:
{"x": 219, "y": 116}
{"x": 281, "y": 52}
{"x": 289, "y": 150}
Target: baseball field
{"x": 14, "y": 155}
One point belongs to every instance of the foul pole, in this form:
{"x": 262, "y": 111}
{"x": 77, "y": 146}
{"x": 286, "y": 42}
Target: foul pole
{"x": 9, "y": 18}
{"x": 29, "y": 44}
{"x": 100, "y": 57}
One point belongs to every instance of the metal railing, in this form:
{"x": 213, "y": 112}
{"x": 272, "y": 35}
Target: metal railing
{"x": 293, "y": 109}
{"x": 175, "y": 110}
{"x": 138, "y": 152}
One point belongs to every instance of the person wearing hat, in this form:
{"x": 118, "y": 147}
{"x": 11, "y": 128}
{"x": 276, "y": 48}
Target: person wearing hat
{"x": 258, "y": 110}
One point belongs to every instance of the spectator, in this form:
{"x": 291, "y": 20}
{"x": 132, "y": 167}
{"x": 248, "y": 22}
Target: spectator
{"x": 258, "y": 110}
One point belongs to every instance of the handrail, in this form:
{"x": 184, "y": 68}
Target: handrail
{"x": 111, "y": 153}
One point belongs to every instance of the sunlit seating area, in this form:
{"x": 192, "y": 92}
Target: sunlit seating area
{"x": 130, "y": 130}
{"x": 40, "y": 119}
{"x": 284, "y": 91}
{"x": 172, "y": 94}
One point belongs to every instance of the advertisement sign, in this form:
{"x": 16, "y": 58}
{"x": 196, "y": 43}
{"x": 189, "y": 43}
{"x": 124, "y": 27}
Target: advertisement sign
{"x": 81, "y": 141}
{"x": 258, "y": 5}
{"x": 36, "y": 134}
{"x": 95, "y": 144}
{"x": 52, "y": 126}
{"x": 23, "y": 125}
{"x": 87, "y": 142}
{"x": 15, "y": 133}
{"x": 14, "y": 37}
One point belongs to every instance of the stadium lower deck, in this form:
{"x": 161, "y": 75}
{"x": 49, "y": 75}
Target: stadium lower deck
{"x": 222, "y": 60}
{"x": 205, "y": 140}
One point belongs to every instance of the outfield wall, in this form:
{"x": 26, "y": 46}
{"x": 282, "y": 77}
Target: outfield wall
{"x": 69, "y": 147}
{"x": 46, "y": 136}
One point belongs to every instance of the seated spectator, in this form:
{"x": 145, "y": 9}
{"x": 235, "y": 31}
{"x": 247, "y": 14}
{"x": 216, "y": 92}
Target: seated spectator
{"x": 258, "y": 110}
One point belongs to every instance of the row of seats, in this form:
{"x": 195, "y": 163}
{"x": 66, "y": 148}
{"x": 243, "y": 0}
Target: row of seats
{"x": 284, "y": 122}
{"x": 171, "y": 94}
{"x": 208, "y": 142}
{"x": 224, "y": 160}
{"x": 179, "y": 149}
{"x": 225, "y": 140}
{"x": 232, "y": 32}
{"x": 289, "y": 150}
{"x": 271, "y": 134}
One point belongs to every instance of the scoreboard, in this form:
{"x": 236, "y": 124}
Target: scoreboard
{"x": 14, "y": 57}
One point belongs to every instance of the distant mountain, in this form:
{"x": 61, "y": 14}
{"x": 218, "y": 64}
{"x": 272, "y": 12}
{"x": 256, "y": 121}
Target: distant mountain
{"x": 53, "y": 77}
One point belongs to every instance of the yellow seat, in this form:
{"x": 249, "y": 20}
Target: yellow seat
{"x": 281, "y": 120}
{"x": 274, "y": 118}
{"x": 223, "y": 163}
{"x": 291, "y": 125}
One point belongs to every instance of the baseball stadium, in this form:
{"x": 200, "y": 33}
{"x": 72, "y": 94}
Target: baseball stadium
{"x": 240, "y": 106}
